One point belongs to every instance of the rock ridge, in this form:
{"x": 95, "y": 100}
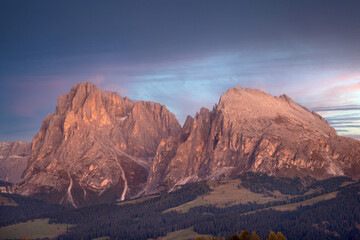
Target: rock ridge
{"x": 100, "y": 147}
{"x": 250, "y": 130}
{"x": 97, "y": 145}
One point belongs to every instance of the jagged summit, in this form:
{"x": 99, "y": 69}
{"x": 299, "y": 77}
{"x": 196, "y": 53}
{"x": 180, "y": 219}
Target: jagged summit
{"x": 250, "y": 130}
{"x": 245, "y": 107}
{"x": 98, "y": 146}
{"x": 96, "y": 143}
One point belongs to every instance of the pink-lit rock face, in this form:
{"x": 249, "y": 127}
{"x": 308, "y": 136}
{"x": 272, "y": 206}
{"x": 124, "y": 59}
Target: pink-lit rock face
{"x": 96, "y": 144}
{"x": 14, "y": 158}
{"x": 249, "y": 130}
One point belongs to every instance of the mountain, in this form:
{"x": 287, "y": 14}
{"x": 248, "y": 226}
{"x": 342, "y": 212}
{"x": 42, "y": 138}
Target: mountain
{"x": 14, "y": 158}
{"x": 249, "y": 130}
{"x": 96, "y": 146}
{"x": 100, "y": 147}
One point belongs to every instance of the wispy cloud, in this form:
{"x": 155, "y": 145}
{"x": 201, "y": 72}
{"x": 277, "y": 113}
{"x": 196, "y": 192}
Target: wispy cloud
{"x": 336, "y": 108}
{"x": 345, "y": 119}
{"x": 97, "y": 80}
{"x": 345, "y": 126}
{"x": 190, "y": 82}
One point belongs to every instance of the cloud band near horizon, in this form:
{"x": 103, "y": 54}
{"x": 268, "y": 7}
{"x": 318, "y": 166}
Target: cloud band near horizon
{"x": 183, "y": 54}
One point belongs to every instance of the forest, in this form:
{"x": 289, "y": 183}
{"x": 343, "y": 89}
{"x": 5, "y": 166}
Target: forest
{"x": 336, "y": 218}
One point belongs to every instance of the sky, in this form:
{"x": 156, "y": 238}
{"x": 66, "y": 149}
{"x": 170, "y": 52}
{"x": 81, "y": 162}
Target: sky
{"x": 183, "y": 54}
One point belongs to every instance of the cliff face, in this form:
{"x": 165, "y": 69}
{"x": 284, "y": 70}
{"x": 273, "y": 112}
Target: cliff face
{"x": 96, "y": 145}
{"x": 250, "y": 130}
{"x": 14, "y": 158}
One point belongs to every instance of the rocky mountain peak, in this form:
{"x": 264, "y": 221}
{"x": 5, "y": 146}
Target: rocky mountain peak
{"x": 99, "y": 146}
{"x": 245, "y": 107}
{"x": 96, "y": 143}
{"x": 250, "y": 130}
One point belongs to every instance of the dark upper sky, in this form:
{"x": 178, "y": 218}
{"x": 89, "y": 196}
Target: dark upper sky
{"x": 183, "y": 54}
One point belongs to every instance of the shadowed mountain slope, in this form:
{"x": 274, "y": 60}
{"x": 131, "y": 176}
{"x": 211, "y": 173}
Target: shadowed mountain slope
{"x": 14, "y": 157}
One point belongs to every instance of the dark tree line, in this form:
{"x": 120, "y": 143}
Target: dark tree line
{"x": 245, "y": 235}
{"x": 332, "y": 219}
{"x": 262, "y": 183}
{"x": 28, "y": 208}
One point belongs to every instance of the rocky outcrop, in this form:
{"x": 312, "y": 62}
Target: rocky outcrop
{"x": 14, "y": 157}
{"x": 249, "y": 130}
{"x": 100, "y": 147}
{"x": 97, "y": 145}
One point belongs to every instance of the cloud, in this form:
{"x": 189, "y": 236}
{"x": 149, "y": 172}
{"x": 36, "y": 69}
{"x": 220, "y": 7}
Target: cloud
{"x": 342, "y": 120}
{"x": 191, "y": 81}
{"x": 336, "y": 108}
{"x": 345, "y": 126}
{"x": 97, "y": 80}
{"x": 342, "y": 91}
{"x": 155, "y": 52}
{"x": 345, "y": 119}
{"x": 342, "y": 130}
{"x": 333, "y": 89}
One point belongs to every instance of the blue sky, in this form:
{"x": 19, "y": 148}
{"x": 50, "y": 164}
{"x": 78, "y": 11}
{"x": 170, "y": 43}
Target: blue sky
{"x": 183, "y": 54}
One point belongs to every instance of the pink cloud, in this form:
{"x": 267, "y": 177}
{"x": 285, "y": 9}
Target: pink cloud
{"x": 342, "y": 93}
{"x": 331, "y": 91}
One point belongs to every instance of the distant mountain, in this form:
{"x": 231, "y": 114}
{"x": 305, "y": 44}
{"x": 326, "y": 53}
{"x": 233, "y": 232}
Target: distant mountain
{"x": 97, "y": 145}
{"x": 249, "y": 130}
{"x": 14, "y": 158}
{"x": 100, "y": 147}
